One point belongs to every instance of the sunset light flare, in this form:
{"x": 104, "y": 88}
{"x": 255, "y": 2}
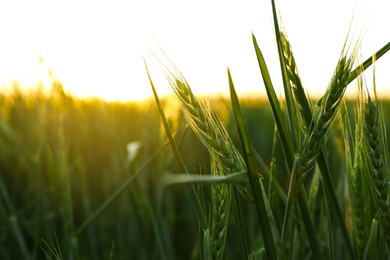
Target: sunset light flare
{"x": 97, "y": 48}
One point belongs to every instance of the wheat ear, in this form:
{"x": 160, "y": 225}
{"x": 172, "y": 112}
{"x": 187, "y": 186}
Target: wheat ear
{"x": 303, "y": 107}
{"x": 207, "y": 125}
{"x": 324, "y": 114}
{"x": 358, "y": 206}
{"x": 359, "y": 194}
{"x": 356, "y": 173}
{"x": 376, "y": 160}
{"x": 225, "y": 158}
{"x": 221, "y": 201}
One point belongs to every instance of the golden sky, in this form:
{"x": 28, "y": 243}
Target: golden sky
{"x": 96, "y": 48}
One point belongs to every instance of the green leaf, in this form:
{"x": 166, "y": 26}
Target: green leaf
{"x": 376, "y": 246}
{"x": 313, "y": 240}
{"x": 207, "y": 251}
{"x": 290, "y": 199}
{"x": 112, "y": 254}
{"x": 169, "y": 179}
{"x": 250, "y": 162}
{"x": 275, "y": 232}
{"x": 286, "y": 83}
{"x": 367, "y": 63}
{"x": 275, "y": 106}
{"x": 239, "y": 224}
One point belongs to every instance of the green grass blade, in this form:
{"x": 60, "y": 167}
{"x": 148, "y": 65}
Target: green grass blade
{"x": 207, "y": 251}
{"x": 272, "y": 164}
{"x": 274, "y": 188}
{"x": 313, "y": 240}
{"x": 112, "y": 254}
{"x": 54, "y": 250}
{"x": 305, "y": 213}
{"x": 331, "y": 227}
{"x": 367, "y": 63}
{"x": 239, "y": 224}
{"x": 257, "y": 254}
{"x": 15, "y": 226}
{"x": 289, "y": 200}
{"x": 375, "y": 248}
{"x": 286, "y": 83}
{"x": 328, "y": 183}
{"x": 275, "y": 231}
{"x": 275, "y": 106}
{"x": 191, "y": 189}
{"x": 268, "y": 239}
{"x": 239, "y": 177}
{"x": 275, "y": 185}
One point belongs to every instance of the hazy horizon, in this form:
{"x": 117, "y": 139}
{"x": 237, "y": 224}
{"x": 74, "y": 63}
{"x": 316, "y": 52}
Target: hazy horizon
{"x": 97, "y": 49}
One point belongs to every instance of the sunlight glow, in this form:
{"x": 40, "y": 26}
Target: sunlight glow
{"x": 97, "y": 49}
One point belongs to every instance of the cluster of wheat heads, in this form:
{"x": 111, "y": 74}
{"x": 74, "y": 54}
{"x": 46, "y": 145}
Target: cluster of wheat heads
{"x": 368, "y": 175}
{"x": 303, "y": 131}
{"x": 225, "y": 158}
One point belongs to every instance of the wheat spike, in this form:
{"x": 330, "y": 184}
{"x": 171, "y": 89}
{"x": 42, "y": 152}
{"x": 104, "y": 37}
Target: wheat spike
{"x": 376, "y": 160}
{"x": 221, "y": 201}
{"x": 210, "y": 130}
{"x": 303, "y": 108}
{"x": 324, "y": 114}
{"x": 208, "y": 127}
{"x": 357, "y": 194}
{"x": 225, "y": 158}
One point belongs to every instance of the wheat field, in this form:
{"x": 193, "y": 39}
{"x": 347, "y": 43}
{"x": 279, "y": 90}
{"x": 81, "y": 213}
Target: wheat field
{"x": 277, "y": 177}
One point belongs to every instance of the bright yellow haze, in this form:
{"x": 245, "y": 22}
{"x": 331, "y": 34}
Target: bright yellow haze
{"x": 97, "y": 49}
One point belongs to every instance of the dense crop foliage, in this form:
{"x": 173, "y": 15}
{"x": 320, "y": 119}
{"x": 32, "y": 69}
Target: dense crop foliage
{"x": 54, "y": 144}
{"x": 61, "y": 158}
{"x": 303, "y": 129}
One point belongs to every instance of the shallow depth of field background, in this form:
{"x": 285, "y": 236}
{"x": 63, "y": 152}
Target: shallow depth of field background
{"x": 97, "y": 48}
{"x": 61, "y": 157}
{"x": 72, "y": 128}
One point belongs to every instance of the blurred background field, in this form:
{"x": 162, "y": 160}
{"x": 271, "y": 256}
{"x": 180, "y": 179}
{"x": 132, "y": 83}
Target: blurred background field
{"x": 61, "y": 157}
